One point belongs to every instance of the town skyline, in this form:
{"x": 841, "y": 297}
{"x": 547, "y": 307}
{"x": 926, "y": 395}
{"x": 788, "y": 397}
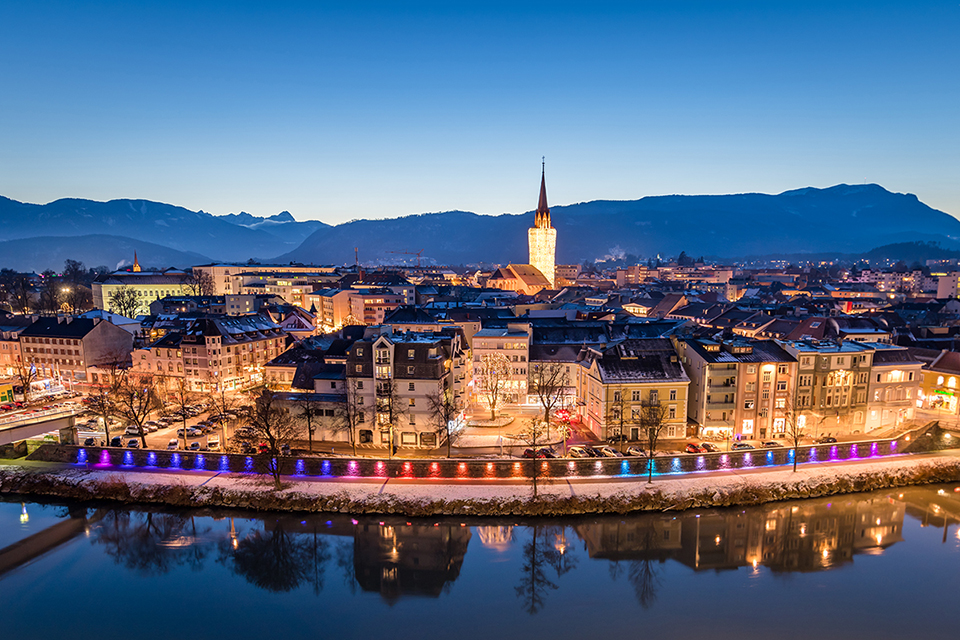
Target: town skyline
{"x": 377, "y": 112}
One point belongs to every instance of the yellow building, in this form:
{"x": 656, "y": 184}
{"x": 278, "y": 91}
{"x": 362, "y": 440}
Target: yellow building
{"x": 617, "y": 383}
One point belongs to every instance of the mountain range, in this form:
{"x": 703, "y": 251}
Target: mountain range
{"x": 849, "y": 219}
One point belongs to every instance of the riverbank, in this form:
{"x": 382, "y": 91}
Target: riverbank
{"x": 434, "y": 497}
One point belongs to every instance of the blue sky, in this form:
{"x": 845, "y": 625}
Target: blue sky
{"x": 346, "y": 110}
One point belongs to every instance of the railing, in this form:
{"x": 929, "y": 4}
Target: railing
{"x": 35, "y": 416}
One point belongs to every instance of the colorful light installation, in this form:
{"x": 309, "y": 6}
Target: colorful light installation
{"x": 81, "y": 456}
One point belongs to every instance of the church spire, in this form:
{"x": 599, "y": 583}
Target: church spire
{"x": 542, "y": 219}
{"x": 136, "y": 263}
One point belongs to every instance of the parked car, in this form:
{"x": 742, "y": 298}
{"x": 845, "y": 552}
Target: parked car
{"x": 133, "y": 443}
{"x": 578, "y": 452}
{"x": 285, "y": 449}
{"x": 247, "y": 448}
{"x": 635, "y": 451}
{"x": 826, "y": 440}
{"x": 194, "y": 446}
{"x": 116, "y": 441}
{"x": 614, "y": 439}
{"x": 709, "y": 447}
{"x": 194, "y": 433}
{"x": 213, "y": 444}
{"x": 173, "y": 444}
{"x": 693, "y": 447}
{"x": 89, "y": 442}
{"x": 771, "y": 444}
{"x": 740, "y": 446}
{"x": 131, "y": 430}
{"x": 608, "y": 452}
{"x": 6, "y": 407}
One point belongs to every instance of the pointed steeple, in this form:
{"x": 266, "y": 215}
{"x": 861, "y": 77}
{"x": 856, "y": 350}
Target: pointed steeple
{"x": 542, "y": 219}
{"x": 136, "y": 263}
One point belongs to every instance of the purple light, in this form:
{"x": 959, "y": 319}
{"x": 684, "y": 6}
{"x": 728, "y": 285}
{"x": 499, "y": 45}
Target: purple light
{"x": 104, "y": 457}
{"x": 724, "y": 464}
{"x": 352, "y": 468}
{"x": 854, "y": 452}
{"x": 873, "y": 450}
{"x": 833, "y": 452}
{"x": 893, "y": 446}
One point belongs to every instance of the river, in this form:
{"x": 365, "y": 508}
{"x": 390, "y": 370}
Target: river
{"x": 877, "y": 565}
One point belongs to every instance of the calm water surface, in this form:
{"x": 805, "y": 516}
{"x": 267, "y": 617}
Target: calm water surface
{"x": 879, "y": 565}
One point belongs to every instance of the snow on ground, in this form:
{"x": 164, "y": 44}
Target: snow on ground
{"x": 669, "y": 490}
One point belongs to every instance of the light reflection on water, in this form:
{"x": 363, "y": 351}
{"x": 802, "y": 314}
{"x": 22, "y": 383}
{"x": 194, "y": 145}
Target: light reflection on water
{"x": 840, "y": 559}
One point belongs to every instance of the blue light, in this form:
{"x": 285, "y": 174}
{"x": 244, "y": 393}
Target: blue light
{"x": 624, "y": 468}
{"x": 81, "y": 456}
{"x": 199, "y": 462}
{"x": 152, "y": 459}
{"x": 224, "y": 463}
{"x": 300, "y": 469}
{"x": 701, "y": 463}
{"x": 770, "y": 457}
{"x": 128, "y": 458}
{"x": 675, "y": 465}
{"x": 175, "y": 461}
{"x": 325, "y": 467}
{"x": 747, "y": 460}
{"x": 248, "y": 465}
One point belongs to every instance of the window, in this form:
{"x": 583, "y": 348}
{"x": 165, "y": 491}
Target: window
{"x": 673, "y": 394}
{"x": 748, "y": 404}
{"x": 766, "y": 376}
{"x": 359, "y": 368}
{"x": 910, "y": 376}
{"x": 751, "y": 387}
{"x": 782, "y": 369}
{"x": 635, "y": 396}
{"x": 940, "y": 381}
{"x": 878, "y": 377}
{"x": 359, "y": 384}
{"x": 410, "y": 370}
{"x": 672, "y": 412}
{"x": 765, "y": 394}
{"x": 617, "y": 396}
{"x": 780, "y": 403}
{"x": 412, "y": 402}
{"x": 410, "y": 354}
{"x": 654, "y": 396}
{"x": 763, "y": 412}
{"x": 781, "y": 385}
{"x": 413, "y": 419}
{"x": 333, "y": 385}
{"x": 359, "y": 351}
{"x": 751, "y": 369}
{"x": 412, "y": 387}
{"x": 952, "y": 382}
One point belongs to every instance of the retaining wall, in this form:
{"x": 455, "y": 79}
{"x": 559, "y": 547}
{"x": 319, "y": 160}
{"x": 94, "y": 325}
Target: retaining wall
{"x": 927, "y": 438}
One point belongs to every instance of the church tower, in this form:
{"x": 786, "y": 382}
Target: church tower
{"x": 543, "y": 237}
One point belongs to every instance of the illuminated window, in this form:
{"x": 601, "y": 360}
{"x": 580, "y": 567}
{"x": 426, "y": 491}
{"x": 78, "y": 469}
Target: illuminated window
{"x": 952, "y": 382}
{"x": 940, "y": 381}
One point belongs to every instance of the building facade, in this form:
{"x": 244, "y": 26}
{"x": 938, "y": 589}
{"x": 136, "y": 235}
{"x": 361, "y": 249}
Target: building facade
{"x": 542, "y": 238}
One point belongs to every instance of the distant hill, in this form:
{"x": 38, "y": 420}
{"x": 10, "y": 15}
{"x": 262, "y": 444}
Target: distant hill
{"x": 162, "y": 224}
{"x": 50, "y": 252}
{"x": 844, "y": 218}
{"x": 848, "y": 219}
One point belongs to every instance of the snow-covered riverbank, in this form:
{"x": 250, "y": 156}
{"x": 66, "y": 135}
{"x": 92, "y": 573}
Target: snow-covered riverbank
{"x": 427, "y": 498}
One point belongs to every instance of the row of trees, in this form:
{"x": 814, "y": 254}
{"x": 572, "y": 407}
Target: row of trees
{"x": 53, "y": 292}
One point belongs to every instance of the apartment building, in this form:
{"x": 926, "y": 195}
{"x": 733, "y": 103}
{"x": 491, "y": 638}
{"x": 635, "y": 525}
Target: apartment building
{"x": 70, "y": 349}
{"x": 213, "y": 351}
{"x": 395, "y": 376}
{"x": 894, "y": 387}
{"x": 512, "y": 341}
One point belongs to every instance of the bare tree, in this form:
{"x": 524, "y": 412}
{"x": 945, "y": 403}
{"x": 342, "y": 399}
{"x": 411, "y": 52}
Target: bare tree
{"x": 309, "y": 413}
{"x": 50, "y": 294}
{"x": 351, "y": 412}
{"x": 390, "y": 408}
{"x": 224, "y": 403}
{"x": 532, "y": 435}
{"x": 198, "y": 283}
{"x": 271, "y": 424}
{"x": 445, "y": 410}
{"x": 134, "y": 399}
{"x": 494, "y": 374}
{"x": 21, "y": 293}
{"x": 619, "y": 414}
{"x": 653, "y": 420}
{"x": 125, "y": 301}
{"x": 548, "y": 381}
{"x": 101, "y": 395}
{"x": 794, "y": 428}
{"x": 182, "y": 397}
{"x": 25, "y": 373}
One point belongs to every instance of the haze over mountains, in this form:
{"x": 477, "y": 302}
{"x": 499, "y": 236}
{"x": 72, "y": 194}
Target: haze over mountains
{"x": 846, "y": 219}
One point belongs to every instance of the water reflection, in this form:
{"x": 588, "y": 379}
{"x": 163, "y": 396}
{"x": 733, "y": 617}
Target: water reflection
{"x": 398, "y": 558}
